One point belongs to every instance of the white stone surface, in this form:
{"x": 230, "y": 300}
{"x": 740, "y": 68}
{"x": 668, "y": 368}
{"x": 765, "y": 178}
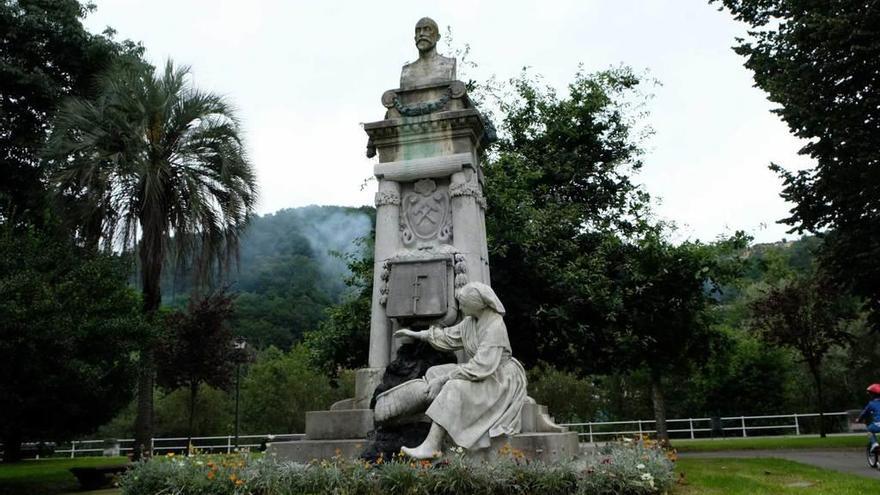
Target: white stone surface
{"x": 387, "y": 242}
{"x": 423, "y": 168}
{"x": 430, "y": 67}
{"x": 482, "y": 398}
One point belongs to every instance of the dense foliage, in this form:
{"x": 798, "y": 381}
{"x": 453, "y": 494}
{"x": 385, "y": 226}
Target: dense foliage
{"x": 46, "y": 55}
{"x": 151, "y": 157}
{"x": 820, "y": 61}
{"x": 633, "y": 468}
{"x": 342, "y": 341}
{"x": 808, "y": 315}
{"x": 197, "y": 348}
{"x": 281, "y": 386}
{"x": 292, "y": 268}
{"x": 70, "y": 331}
{"x": 559, "y": 193}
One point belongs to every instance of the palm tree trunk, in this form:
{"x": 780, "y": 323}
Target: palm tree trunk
{"x": 152, "y": 258}
{"x": 659, "y": 407}
{"x": 143, "y": 426}
{"x": 193, "y": 393}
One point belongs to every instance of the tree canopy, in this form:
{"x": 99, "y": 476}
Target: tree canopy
{"x": 560, "y": 196}
{"x": 46, "y": 56}
{"x": 151, "y": 157}
{"x": 71, "y": 329}
{"x": 820, "y": 61}
{"x": 809, "y": 315}
{"x": 197, "y": 348}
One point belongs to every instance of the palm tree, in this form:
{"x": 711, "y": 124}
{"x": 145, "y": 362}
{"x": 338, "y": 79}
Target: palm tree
{"x": 149, "y": 159}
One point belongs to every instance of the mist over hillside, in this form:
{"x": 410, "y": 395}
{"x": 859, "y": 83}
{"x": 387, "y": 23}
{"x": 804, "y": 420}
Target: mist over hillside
{"x": 289, "y": 271}
{"x": 319, "y": 233}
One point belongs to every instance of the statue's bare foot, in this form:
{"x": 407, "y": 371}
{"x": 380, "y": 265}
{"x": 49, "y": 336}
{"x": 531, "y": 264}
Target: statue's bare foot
{"x": 423, "y": 451}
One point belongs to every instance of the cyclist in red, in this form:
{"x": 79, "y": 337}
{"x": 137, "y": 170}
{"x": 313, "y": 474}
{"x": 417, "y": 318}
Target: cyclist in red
{"x": 871, "y": 414}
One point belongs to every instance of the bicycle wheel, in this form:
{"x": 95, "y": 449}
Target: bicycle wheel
{"x": 872, "y": 456}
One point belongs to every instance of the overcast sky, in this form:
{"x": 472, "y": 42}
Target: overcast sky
{"x": 304, "y": 75}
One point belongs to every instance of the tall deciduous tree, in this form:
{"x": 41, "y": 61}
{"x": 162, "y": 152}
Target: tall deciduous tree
{"x": 153, "y": 157}
{"x": 70, "y": 327}
{"x": 46, "y": 55}
{"x": 820, "y": 61}
{"x": 198, "y": 348}
{"x": 810, "y": 316}
{"x": 667, "y": 292}
{"x": 559, "y": 194}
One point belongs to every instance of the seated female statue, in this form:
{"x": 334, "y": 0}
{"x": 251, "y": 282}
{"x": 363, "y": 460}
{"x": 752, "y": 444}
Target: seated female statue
{"x": 481, "y": 398}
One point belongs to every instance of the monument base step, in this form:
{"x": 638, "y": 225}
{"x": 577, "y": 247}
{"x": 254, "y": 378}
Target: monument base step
{"x": 339, "y": 424}
{"x": 545, "y": 447}
{"x": 309, "y": 450}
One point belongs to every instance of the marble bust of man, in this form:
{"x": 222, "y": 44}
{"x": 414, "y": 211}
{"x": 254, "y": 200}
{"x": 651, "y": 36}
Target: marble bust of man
{"x": 431, "y": 67}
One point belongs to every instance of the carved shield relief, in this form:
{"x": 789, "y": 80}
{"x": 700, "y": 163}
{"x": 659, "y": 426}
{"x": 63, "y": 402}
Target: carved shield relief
{"x": 426, "y": 214}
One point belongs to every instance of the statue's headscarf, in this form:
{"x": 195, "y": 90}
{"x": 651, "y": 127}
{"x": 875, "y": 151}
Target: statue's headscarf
{"x": 481, "y": 293}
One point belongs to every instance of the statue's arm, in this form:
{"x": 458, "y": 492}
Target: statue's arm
{"x": 444, "y": 339}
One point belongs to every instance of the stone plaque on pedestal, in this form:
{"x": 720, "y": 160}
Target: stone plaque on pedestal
{"x": 417, "y": 289}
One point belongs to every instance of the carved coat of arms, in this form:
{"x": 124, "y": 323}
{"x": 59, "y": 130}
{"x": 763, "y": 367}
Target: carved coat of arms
{"x": 426, "y": 213}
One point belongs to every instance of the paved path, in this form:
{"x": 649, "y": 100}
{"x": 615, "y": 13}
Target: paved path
{"x": 851, "y": 461}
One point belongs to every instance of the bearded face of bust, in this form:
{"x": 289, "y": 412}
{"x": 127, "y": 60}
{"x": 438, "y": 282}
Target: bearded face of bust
{"x": 426, "y": 35}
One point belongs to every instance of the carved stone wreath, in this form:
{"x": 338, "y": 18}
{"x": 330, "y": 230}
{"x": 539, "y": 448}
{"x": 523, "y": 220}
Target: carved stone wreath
{"x": 456, "y": 89}
{"x": 422, "y": 108}
{"x": 468, "y": 189}
{"x": 387, "y": 198}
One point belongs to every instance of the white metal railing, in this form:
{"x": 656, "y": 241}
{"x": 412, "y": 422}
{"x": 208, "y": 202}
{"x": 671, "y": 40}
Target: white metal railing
{"x": 590, "y": 432}
{"x": 696, "y": 427}
{"x": 172, "y": 444}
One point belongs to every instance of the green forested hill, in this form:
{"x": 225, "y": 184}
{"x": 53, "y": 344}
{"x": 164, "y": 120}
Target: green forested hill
{"x": 289, "y": 271}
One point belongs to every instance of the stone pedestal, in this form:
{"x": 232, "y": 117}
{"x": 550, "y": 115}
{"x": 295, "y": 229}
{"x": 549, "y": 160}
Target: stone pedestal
{"x": 429, "y": 209}
{"x": 430, "y": 242}
{"x": 340, "y": 424}
{"x": 309, "y": 450}
{"x": 544, "y": 447}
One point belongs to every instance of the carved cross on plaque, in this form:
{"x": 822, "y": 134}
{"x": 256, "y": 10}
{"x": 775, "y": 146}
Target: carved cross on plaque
{"x": 418, "y": 289}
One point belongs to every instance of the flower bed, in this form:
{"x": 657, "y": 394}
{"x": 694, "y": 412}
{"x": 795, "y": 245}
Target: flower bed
{"x": 637, "y": 468}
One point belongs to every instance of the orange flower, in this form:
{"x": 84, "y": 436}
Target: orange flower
{"x": 210, "y": 475}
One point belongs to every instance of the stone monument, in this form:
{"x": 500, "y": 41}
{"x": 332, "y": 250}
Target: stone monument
{"x": 430, "y": 243}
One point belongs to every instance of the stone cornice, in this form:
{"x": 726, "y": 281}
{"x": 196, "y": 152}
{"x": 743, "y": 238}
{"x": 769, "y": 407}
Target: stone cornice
{"x": 454, "y": 119}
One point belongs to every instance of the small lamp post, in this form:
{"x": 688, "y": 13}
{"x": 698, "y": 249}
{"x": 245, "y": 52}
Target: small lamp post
{"x": 239, "y": 344}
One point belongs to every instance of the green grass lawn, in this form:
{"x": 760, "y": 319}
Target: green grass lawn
{"x": 48, "y": 476}
{"x": 765, "y": 443}
{"x": 766, "y": 477}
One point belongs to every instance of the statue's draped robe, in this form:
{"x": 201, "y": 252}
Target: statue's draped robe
{"x": 484, "y": 396}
